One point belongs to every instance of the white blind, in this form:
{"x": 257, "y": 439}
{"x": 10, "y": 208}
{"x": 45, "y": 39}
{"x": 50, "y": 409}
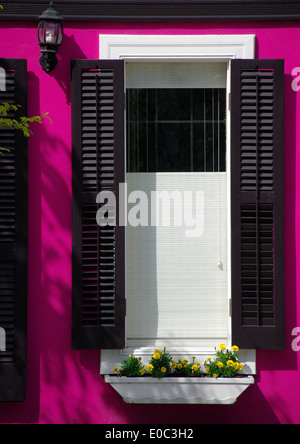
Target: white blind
{"x": 176, "y": 75}
{"x": 177, "y": 284}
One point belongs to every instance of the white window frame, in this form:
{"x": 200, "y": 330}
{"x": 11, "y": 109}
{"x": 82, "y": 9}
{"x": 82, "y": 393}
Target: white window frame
{"x": 212, "y": 48}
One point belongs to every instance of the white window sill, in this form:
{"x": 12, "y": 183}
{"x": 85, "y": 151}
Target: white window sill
{"x": 147, "y": 390}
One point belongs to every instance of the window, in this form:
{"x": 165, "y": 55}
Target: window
{"x": 176, "y": 276}
{"x": 254, "y": 191}
{"x": 176, "y": 130}
{"x": 176, "y": 117}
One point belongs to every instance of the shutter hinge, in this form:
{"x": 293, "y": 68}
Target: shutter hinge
{"x": 229, "y": 101}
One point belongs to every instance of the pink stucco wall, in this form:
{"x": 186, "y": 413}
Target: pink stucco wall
{"x": 64, "y": 386}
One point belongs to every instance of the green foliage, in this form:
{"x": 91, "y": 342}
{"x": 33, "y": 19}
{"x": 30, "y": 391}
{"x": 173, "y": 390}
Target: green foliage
{"x": 225, "y": 365}
{"x": 160, "y": 364}
{"x": 131, "y": 367}
{"x": 22, "y": 124}
{"x": 184, "y": 368}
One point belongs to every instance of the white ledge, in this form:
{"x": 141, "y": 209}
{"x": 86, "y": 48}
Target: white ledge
{"x": 175, "y": 47}
{"x": 147, "y": 390}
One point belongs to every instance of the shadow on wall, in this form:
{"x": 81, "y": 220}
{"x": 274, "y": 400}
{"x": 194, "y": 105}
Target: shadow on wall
{"x": 62, "y": 74}
{"x": 49, "y": 269}
{"x": 29, "y": 410}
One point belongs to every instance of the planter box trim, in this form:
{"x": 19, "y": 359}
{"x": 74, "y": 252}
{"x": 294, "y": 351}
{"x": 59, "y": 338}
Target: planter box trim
{"x": 147, "y": 390}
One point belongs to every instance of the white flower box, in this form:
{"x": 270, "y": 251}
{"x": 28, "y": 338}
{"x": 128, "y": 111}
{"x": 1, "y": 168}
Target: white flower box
{"x": 147, "y": 390}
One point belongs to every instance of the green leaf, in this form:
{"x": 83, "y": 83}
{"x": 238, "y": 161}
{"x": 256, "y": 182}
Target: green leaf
{"x": 3, "y": 149}
{"x": 22, "y": 124}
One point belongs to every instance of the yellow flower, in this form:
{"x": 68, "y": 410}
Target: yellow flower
{"x": 193, "y": 357}
{"x": 116, "y": 369}
{"x": 156, "y": 356}
{"x": 241, "y": 366}
{"x": 208, "y": 359}
{"x": 149, "y": 368}
{"x": 220, "y": 364}
{"x": 222, "y": 347}
{"x": 230, "y": 363}
{"x": 195, "y": 367}
{"x": 163, "y": 369}
{"x": 173, "y": 364}
{"x": 129, "y": 356}
{"x": 158, "y": 351}
{"x": 142, "y": 372}
{"x": 179, "y": 366}
{"x": 185, "y": 361}
{"x": 236, "y": 365}
{"x": 215, "y": 376}
{"x": 235, "y": 348}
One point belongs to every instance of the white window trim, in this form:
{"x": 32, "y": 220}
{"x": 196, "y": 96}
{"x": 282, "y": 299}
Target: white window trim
{"x": 218, "y": 48}
{"x": 188, "y": 47}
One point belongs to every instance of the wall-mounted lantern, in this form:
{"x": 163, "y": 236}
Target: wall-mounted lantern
{"x": 50, "y": 36}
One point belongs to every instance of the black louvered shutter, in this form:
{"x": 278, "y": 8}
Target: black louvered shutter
{"x": 13, "y": 238}
{"x": 98, "y": 165}
{"x": 257, "y": 204}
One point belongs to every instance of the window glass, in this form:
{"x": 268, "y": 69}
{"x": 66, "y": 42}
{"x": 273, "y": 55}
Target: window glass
{"x": 176, "y": 130}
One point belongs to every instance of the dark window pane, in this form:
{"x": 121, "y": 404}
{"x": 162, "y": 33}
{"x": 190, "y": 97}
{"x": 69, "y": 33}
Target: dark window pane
{"x": 173, "y": 104}
{"x": 173, "y": 147}
{"x": 176, "y": 130}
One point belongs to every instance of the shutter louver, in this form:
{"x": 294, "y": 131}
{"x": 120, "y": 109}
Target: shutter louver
{"x": 13, "y": 238}
{"x": 98, "y": 165}
{"x": 257, "y": 204}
